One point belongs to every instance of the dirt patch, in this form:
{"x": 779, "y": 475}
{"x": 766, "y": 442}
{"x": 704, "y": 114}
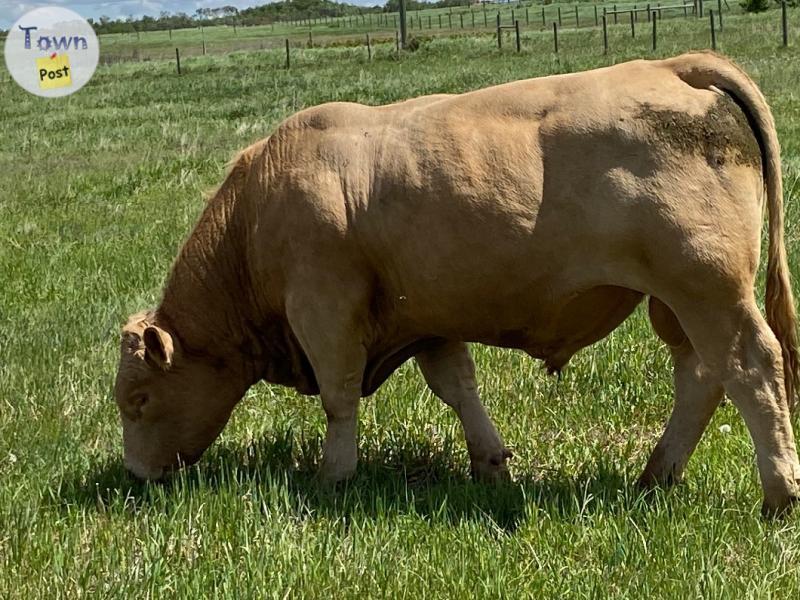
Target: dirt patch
{"x": 722, "y": 134}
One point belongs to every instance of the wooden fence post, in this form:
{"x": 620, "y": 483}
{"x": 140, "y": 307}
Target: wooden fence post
{"x": 555, "y": 36}
{"x": 713, "y": 33}
{"x": 633, "y": 26}
{"x": 499, "y": 33}
{"x": 605, "y": 34}
{"x": 784, "y": 24}
{"x": 287, "y": 53}
{"x": 719, "y": 10}
{"x": 559, "y": 16}
{"x": 369, "y": 49}
{"x": 577, "y": 18}
{"x": 654, "y": 18}
{"x": 516, "y": 30}
{"x": 178, "y": 60}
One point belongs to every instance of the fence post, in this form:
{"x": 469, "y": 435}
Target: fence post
{"x": 577, "y": 18}
{"x": 287, "y": 53}
{"x": 615, "y": 15}
{"x": 633, "y": 26}
{"x": 403, "y": 30}
{"x": 544, "y": 23}
{"x": 527, "y": 18}
{"x": 784, "y": 24}
{"x": 461, "y": 15}
{"x": 178, "y": 60}
{"x": 516, "y": 29}
{"x": 310, "y": 40}
{"x": 605, "y": 34}
{"x": 499, "y": 33}
{"x": 555, "y": 36}
{"x": 719, "y": 10}
{"x": 654, "y": 18}
{"x": 700, "y": 7}
{"x": 596, "y": 20}
{"x": 559, "y": 16}
{"x": 713, "y": 33}
{"x": 369, "y": 49}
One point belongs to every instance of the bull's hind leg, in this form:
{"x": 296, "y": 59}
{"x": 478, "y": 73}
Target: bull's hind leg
{"x": 697, "y": 395}
{"x": 450, "y": 373}
{"x": 738, "y": 347}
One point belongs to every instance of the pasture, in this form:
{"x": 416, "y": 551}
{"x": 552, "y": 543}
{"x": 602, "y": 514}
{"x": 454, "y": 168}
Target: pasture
{"x": 98, "y": 190}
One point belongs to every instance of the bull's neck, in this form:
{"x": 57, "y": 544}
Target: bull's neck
{"x": 206, "y": 299}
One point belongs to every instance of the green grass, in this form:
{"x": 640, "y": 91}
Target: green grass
{"x": 96, "y": 193}
{"x": 423, "y": 23}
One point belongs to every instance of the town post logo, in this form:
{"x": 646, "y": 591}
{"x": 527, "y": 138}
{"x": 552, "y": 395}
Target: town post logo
{"x": 51, "y": 51}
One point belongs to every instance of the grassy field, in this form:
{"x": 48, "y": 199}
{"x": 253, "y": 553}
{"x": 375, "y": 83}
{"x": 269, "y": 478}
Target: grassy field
{"x": 434, "y": 22}
{"x": 96, "y": 193}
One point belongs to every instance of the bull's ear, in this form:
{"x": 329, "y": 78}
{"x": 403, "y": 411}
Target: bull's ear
{"x": 158, "y": 348}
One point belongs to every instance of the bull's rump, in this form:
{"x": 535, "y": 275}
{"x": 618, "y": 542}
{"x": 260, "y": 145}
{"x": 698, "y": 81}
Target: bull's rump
{"x": 485, "y": 213}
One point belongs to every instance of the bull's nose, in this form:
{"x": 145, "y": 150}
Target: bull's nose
{"x": 141, "y": 471}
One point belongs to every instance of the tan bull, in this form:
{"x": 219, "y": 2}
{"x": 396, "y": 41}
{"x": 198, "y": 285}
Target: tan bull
{"x": 532, "y": 215}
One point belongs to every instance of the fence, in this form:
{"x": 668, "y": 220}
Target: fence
{"x": 548, "y": 20}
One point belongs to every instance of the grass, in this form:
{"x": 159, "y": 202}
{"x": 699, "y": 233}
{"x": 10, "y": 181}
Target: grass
{"x": 425, "y": 23}
{"x": 96, "y": 193}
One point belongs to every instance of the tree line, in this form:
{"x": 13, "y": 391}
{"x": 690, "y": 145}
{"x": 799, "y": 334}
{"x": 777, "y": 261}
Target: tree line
{"x": 283, "y": 10}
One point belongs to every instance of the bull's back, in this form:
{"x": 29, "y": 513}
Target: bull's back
{"x": 503, "y": 201}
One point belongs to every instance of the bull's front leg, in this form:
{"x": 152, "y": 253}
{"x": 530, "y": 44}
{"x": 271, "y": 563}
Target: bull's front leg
{"x": 450, "y": 373}
{"x": 329, "y": 333}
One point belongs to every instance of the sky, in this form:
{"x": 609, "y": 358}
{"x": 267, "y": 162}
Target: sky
{"x": 11, "y": 10}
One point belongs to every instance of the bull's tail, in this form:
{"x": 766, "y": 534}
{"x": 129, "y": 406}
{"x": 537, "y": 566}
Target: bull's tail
{"x": 702, "y": 70}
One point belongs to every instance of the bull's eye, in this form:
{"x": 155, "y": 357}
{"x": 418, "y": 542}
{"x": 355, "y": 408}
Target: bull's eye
{"x": 139, "y": 401}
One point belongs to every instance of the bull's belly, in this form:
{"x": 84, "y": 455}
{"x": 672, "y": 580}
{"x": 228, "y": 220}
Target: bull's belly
{"x": 551, "y": 331}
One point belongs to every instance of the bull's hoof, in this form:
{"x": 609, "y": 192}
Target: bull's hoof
{"x": 774, "y": 508}
{"x": 650, "y": 480}
{"x": 492, "y": 469}
{"x": 331, "y": 473}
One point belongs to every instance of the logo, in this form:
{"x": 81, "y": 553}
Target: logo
{"x": 51, "y": 52}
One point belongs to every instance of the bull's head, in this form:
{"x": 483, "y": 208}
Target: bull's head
{"x": 173, "y": 404}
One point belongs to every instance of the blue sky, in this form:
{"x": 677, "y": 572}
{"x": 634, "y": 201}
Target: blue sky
{"x": 11, "y": 10}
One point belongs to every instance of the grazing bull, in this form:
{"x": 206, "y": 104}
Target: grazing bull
{"x": 533, "y": 215}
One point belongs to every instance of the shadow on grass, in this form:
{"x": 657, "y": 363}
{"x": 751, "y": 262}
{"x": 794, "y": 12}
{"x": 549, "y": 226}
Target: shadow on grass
{"x": 415, "y": 478}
